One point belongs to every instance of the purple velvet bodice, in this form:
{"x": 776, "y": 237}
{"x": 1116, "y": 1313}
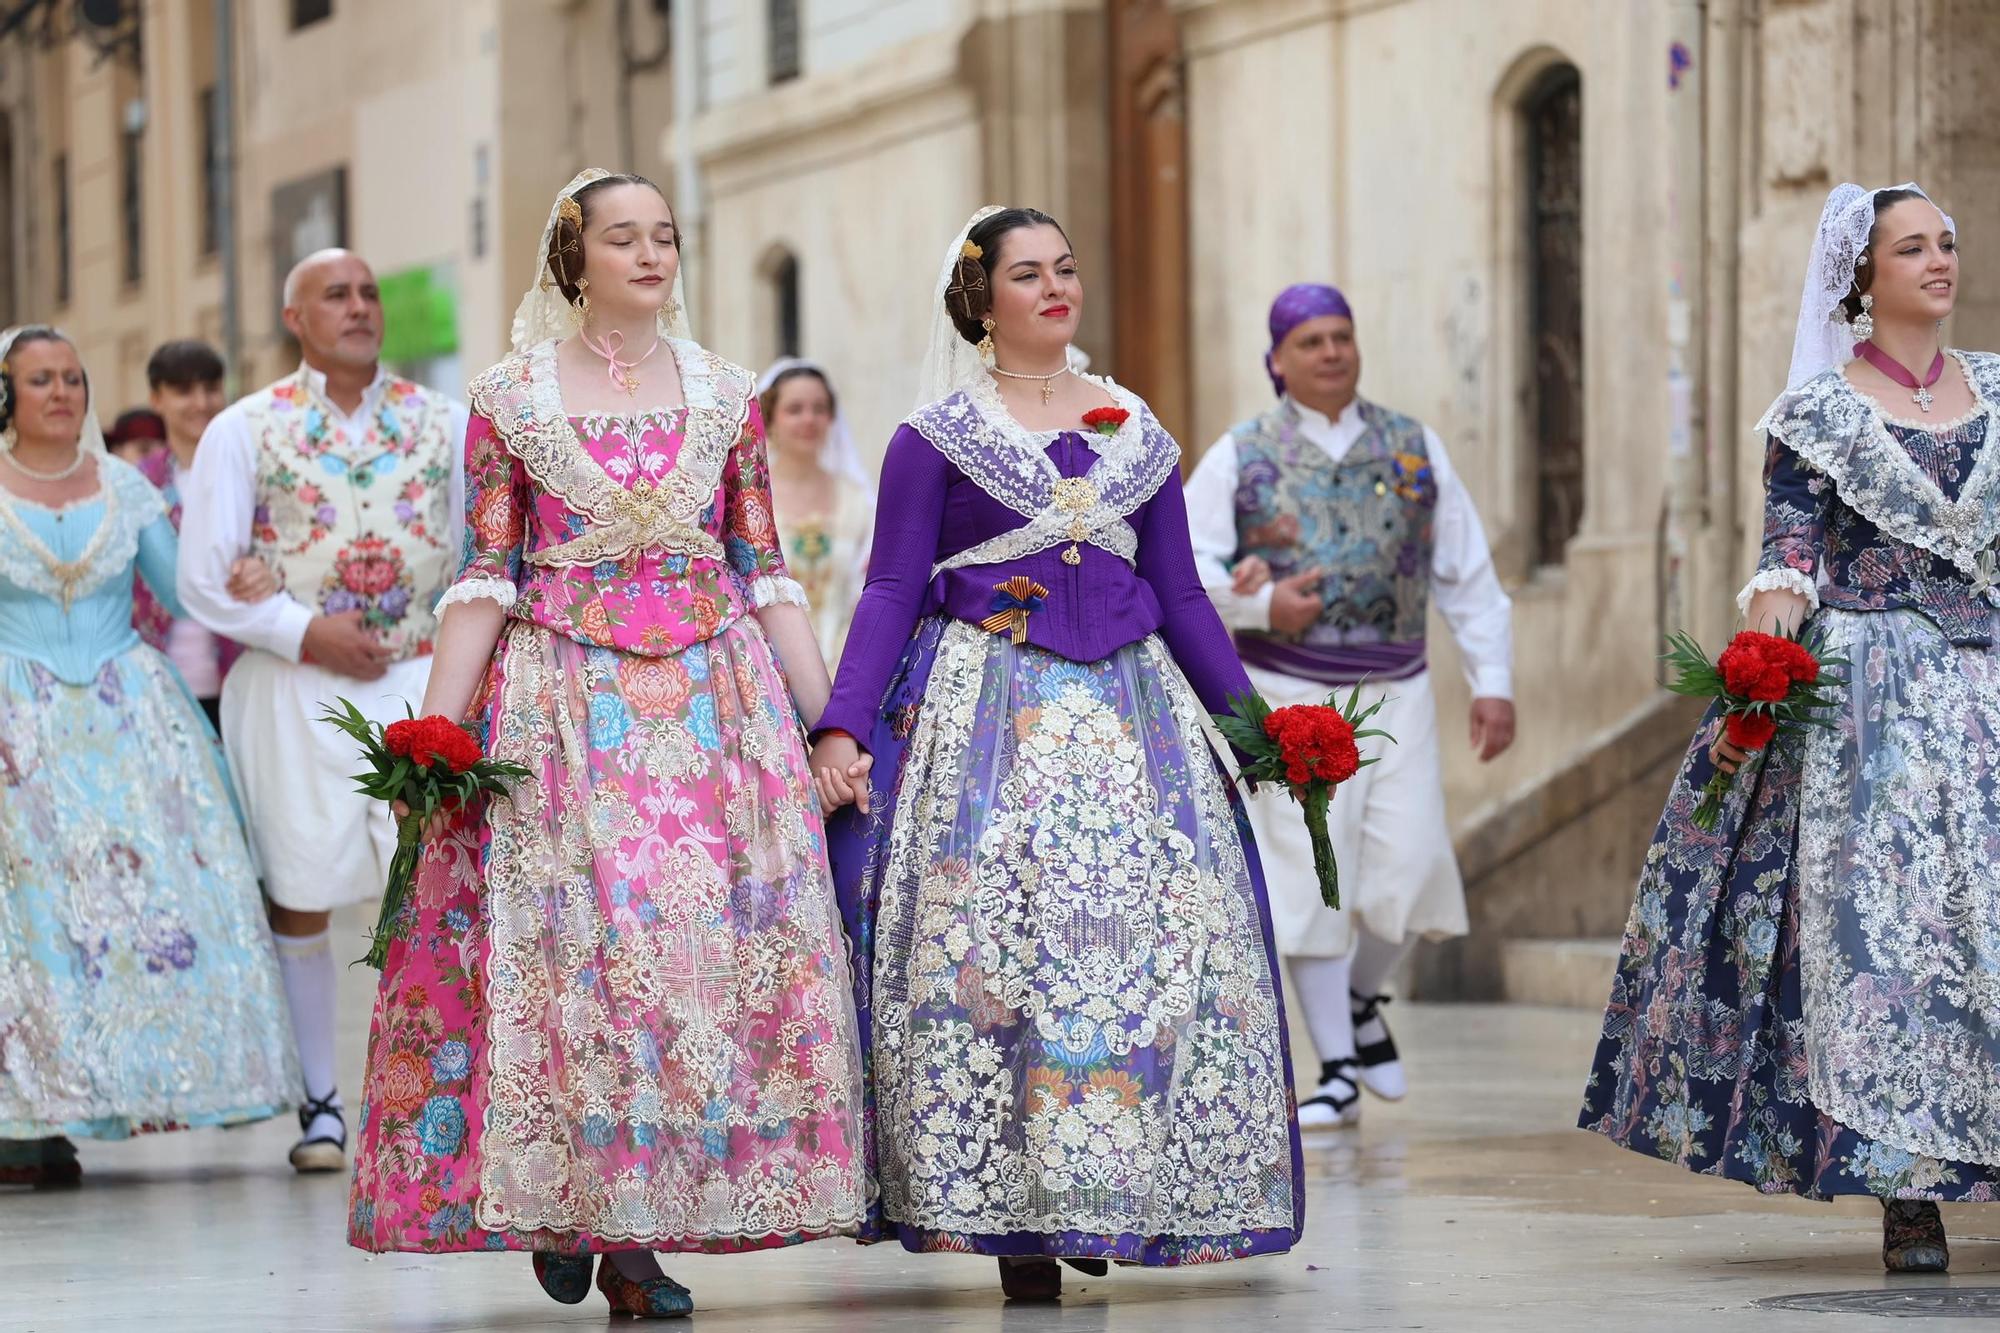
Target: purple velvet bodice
{"x": 929, "y": 510}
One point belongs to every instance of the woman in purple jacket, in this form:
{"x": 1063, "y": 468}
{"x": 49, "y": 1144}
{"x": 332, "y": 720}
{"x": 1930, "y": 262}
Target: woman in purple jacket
{"x": 1068, "y": 996}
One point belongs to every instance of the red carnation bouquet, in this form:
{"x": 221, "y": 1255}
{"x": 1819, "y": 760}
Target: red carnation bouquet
{"x": 1310, "y": 749}
{"x": 1106, "y": 420}
{"x": 430, "y": 764}
{"x": 1766, "y": 682}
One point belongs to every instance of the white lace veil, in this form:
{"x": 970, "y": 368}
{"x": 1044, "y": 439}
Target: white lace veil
{"x": 91, "y": 438}
{"x": 1825, "y": 339}
{"x": 545, "y": 313}
{"x": 951, "y": 361}
{"x": 838, "y": 456}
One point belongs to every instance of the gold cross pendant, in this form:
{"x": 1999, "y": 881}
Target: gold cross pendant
{"x": 1048, "y": 391}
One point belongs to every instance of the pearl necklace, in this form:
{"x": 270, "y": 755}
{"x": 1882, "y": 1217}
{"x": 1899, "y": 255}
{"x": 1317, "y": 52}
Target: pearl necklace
{"x": 1047, "y": 381}
{"x": 32, "y": 474}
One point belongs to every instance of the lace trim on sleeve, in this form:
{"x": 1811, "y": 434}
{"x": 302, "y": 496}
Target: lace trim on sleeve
{"x": 769, "y": 590}
{"x": 1778, "y": 580}
{"x": 471, "y": 590}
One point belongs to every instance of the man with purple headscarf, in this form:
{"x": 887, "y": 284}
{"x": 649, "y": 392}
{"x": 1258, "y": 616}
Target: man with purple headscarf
{"x": 1324, "y": 530}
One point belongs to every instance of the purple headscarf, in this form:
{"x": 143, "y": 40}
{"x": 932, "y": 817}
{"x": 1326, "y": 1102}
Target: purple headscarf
{"x": 1295, "y": 305}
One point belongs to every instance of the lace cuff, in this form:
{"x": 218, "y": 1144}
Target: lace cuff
{"x": 471, "y": 590}
{"x": 768, "y": 591}
{"x": 1779, "y": 579}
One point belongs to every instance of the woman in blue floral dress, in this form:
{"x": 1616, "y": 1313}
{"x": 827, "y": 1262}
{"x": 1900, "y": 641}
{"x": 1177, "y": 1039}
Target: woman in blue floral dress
{"x": 1809, "y": 995}
{"x": 138, "y": 987}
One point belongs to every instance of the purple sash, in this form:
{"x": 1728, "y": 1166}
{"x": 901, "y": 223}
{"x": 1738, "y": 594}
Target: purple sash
{"x": 1333, "y": 664}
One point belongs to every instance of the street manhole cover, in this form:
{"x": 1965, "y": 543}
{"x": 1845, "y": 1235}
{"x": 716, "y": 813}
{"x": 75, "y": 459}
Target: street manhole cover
{"x": 1919, "y": 1303}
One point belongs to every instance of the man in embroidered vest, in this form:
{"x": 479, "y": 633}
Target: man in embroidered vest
{"x": 1324, "y": 529}
{"x": 347, "y": 482}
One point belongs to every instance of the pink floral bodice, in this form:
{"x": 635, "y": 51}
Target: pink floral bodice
{"x": 643, "y": 533}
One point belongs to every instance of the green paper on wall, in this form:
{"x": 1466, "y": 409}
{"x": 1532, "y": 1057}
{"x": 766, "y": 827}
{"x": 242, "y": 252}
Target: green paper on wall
{"x": 419, "y": 315}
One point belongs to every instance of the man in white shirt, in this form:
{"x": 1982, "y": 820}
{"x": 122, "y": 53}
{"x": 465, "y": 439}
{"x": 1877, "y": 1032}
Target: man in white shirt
{"x": 348, "y": 482}
{"x": 1324, "y": 529}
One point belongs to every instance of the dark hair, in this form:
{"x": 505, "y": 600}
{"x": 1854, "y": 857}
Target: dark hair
{"x": 136, "y": 423}
{"x": 767, "y": 402}
{"x": 1864, "y": 274}
{"x": 183, "y": 363}
{"x": 31, "y": 333}
{"x": 969, "y": 295}
{"x": 565, "y": 257}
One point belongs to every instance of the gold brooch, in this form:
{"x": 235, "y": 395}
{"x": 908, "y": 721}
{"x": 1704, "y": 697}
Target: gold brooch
{"x": 1075, "y": 496}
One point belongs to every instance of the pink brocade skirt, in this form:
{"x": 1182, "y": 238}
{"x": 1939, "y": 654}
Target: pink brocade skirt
{"x": 618, "y": 1013}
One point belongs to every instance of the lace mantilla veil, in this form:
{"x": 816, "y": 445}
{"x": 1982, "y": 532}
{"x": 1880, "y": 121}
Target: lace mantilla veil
{"x": 1824, "y": 338}
{"x": 951, "y": 362}
{"x": 839, "y": 456}
{"x": 91, "y": 440}
{"x": 544, "y": 313}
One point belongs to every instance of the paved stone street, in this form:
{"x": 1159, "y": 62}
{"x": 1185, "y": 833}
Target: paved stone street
{"x": 1470, "y": 1206}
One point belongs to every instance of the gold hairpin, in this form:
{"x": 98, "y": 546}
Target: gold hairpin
{"x": 971, "y": 250}
{"x": 570, "y": 211}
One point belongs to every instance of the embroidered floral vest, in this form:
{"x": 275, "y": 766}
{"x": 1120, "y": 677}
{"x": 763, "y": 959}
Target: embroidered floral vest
{"x": 357, "y": 519}
{"x": 1367, "y": 521}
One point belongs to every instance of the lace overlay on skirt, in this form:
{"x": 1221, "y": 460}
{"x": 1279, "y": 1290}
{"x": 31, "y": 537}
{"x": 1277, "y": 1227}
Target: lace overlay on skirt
{"x": 1899, "y": 910}
{"x": 1075, "y": 1021}
{"x": 631, "y": 1026}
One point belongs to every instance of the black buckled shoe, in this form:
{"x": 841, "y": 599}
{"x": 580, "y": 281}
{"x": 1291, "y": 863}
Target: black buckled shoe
{"x": 1375, "y": 1049}
{"x": 1336, "y": 1103}
{"x": 319, "y": 1152}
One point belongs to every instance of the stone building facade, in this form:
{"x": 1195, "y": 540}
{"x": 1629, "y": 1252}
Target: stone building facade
{"x": 1573, "y": 233}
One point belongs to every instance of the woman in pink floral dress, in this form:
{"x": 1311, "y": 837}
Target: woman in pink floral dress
{"x": 617, "y": 1018}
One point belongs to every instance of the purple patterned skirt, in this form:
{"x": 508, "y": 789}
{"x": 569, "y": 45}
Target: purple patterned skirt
{"x": 1068, "y": 994}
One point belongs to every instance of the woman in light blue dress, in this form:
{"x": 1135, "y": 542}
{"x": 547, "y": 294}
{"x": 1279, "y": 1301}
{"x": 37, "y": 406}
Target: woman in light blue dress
{"x": 138, "y": 988}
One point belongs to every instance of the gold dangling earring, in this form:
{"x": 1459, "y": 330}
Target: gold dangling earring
{"x": 671, "y": 311}
{"x": 1864, "y": 323}
{"x": 986, "y": 343}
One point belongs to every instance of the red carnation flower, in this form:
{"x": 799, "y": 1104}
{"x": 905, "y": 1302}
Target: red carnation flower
{"x": 1750, "y": 731}
{"x": 399, "y": 738}
{"x": 1105, "y": 420}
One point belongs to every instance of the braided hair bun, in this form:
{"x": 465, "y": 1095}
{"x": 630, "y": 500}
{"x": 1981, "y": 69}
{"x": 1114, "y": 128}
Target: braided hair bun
{"x": 968, "y": 297}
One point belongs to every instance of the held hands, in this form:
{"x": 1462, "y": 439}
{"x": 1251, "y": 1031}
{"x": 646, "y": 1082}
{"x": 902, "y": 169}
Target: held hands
{"x": 251, "y": 580}
{"x": 840, "y": 773}
{"x": 1294, "y": 607}
{"x": 1492, "y": 728}
{"x": 344, "y": 645}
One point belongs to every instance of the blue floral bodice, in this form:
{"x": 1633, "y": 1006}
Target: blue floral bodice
{"x": 1876, "y": 514}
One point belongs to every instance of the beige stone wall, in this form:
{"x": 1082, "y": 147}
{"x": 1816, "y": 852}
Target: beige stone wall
{"x": 433, "y": 109}
{"x": 1373, "y": 146}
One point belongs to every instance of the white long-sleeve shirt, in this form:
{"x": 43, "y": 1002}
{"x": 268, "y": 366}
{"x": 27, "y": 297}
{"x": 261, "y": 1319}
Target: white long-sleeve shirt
{"x": 1463, "y": 583}
{"x": 219, "y": 504}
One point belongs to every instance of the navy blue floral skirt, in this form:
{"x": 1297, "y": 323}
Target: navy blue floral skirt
{"x": 1703, "y": 1056}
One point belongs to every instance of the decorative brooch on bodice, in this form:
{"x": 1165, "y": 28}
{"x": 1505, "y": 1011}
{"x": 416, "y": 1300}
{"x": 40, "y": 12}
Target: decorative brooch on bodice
{"x": 1075, "y": 496}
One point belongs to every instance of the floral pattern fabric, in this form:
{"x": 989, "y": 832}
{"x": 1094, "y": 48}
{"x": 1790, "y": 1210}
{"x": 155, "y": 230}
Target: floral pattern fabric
{"x": 1868, "y": 513}
{"x": 1807, "y": 998}
{"x": 138, "y": 987}
{"x": 644, "y": 534}
{"x": 1369, "y": 520}
{"x": 356, "y": 521}
{"x": 1066, "y": 978}
{"x": 153, "y": 621}
{"x": 619, "y": 1014}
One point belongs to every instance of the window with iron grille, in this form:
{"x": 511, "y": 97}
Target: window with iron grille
{"x": 1553, "y": 111}
{"x": 782, "y": 29}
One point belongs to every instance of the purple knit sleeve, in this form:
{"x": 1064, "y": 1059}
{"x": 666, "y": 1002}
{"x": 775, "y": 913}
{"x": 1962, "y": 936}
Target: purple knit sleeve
{"x": 1192, "y": 630}
{"x": 908, "y": 514}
